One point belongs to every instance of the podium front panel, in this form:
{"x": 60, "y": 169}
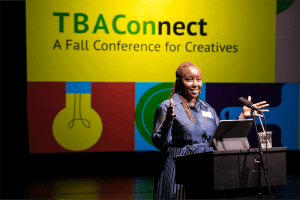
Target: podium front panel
{"x": 222, "y": 170}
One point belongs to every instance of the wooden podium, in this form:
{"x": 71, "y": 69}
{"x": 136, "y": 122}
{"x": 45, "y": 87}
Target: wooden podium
{"x": 230, "y": 173}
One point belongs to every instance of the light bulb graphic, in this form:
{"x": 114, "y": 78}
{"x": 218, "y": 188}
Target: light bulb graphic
{"x": 78, "y": 126}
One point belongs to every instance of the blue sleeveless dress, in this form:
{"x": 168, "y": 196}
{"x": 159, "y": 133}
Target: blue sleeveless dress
{"x": 180, "y": 137}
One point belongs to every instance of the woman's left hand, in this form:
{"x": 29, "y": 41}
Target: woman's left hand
{"x": 247, "y": 111}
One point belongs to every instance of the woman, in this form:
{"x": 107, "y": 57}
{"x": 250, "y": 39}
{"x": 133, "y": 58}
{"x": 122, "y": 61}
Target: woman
{"x": 184, "y": 125}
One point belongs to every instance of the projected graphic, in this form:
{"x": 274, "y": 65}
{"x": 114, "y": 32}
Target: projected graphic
{"x": 97, "y": 71}
{"x": 119, "y": 116}
{"x": 130, "y": 41}
{"x": 77, "y": 127}
{"x": 284, "y": 107}
{"x": 148, "y": 96}
{"x": 285, "y": 115}
{"x": 146, "y": 106}
{"x": 100, "y": 118}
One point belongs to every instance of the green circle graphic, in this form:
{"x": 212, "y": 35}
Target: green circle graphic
{"x": 283, "y": 5}
{"x": 146, "y": 107}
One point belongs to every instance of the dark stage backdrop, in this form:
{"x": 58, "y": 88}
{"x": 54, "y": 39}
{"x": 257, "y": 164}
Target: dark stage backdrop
{"x": 18, "y": 166}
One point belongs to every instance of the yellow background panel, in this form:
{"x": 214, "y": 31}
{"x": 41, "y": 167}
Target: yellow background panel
{"x": 250, "y": 25}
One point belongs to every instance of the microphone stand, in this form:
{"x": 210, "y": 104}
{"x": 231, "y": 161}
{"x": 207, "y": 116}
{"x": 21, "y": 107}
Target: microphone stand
{"x": 260, "y": 162}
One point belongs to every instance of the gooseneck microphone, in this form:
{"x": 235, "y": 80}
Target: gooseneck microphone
{"x": 249, "y": 104}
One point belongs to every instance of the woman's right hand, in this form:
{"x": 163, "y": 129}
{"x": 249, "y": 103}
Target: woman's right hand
{"x": 170, "y": 112}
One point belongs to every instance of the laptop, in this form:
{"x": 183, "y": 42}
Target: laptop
{"x": 232, "y": 135}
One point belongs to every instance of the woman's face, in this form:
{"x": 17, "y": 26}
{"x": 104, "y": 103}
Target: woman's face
{"x": 191, "y": 82}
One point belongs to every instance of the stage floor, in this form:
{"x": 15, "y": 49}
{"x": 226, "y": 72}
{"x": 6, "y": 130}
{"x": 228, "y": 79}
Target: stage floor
{"x": 120, "y": 187}
{"x": 104, "y": 187}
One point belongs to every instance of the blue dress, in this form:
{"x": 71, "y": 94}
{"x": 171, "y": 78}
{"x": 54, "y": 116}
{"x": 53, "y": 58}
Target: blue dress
{"x": 180, "y": 137}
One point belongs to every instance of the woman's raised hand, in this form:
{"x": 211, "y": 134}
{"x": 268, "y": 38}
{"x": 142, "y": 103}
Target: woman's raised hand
{"x": 246, "y": 113}
{"x": 170, "y": 112}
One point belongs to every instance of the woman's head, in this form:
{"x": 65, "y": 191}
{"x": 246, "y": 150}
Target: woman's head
{"x": 188, "y": 81}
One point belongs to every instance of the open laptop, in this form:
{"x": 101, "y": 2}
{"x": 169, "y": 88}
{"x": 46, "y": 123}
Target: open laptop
{"x": 232, "y": 135}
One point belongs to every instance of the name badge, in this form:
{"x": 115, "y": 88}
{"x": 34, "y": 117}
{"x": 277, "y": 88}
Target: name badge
{"x": 206, "y": 114}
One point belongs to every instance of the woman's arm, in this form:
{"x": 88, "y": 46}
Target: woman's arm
{"x": 162, "y": 129}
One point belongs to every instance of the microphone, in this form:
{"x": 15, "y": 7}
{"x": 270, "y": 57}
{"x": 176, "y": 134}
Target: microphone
{"x": 249, "y": 104}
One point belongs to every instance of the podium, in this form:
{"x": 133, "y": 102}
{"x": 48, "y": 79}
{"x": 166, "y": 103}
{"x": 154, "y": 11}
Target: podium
{"x": 230, "y": 173}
